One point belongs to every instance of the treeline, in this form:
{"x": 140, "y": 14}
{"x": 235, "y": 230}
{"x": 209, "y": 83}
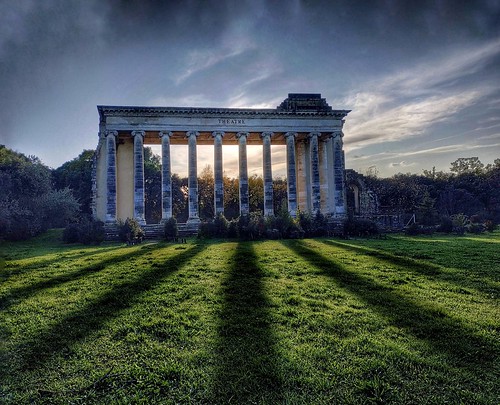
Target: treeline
{"x": 30, "y": 203}
{"x": 34, "y": 197}
{"x": 471, "y": 189}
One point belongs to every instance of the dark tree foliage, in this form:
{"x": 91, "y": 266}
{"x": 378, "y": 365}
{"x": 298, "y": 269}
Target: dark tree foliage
{"x": 152, "y": 186}
{"x": 28, "y": 203}
{"x": 471, "y": 188}
{"x": 77, "y": 176}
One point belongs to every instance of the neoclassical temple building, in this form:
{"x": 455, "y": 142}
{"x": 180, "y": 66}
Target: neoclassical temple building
{"x": 305, "y": 123}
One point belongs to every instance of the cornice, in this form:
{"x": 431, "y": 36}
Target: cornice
{"x": 132, "y": 111}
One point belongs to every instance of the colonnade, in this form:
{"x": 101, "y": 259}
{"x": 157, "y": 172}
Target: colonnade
{"x": 324, "y": 169}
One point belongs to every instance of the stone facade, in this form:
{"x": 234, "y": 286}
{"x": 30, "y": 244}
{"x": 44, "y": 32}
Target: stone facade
{"x": 305, "y": 123}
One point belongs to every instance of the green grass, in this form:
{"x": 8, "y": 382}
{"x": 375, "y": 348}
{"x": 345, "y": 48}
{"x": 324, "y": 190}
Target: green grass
{"x": 401, "y": 320}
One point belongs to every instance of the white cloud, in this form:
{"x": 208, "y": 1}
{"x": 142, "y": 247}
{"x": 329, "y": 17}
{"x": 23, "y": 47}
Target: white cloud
{"x": 402, "y": 105}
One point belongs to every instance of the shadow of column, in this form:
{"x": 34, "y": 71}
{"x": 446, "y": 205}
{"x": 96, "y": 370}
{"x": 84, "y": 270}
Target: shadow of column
{"x": 246, "y": 361}
{"x": 36, "y": 350}
{"x": 463, "y": 347}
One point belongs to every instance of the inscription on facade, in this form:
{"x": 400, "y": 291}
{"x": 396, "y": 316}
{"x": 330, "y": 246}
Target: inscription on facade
{"x": 231, "y": 121}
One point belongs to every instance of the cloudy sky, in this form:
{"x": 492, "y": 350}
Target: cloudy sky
{"x": 422, "y": 78}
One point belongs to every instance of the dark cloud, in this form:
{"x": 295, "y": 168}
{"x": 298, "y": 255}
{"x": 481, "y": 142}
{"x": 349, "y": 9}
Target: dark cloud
{"x": 58, "y": 58}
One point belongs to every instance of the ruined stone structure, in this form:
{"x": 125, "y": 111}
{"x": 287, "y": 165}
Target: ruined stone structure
{"x": 361, "y": 201}
{"x": 305, "y": 123}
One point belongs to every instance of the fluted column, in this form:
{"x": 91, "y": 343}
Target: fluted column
{"x": 111, "y": 175}
{"x": 139, "y": 176}
{"x": 315, "y": 182}
{"x": 218, "y": 173}
{"x": 243, "y": 178}
{"x": 166, "y": 176}
{"x": 339, "y": 168}
{"x": 192, "y": 178}
{"x": 330, "y": 180}
{"x": 291, "y": 173}
{"x": 268, "y": 174}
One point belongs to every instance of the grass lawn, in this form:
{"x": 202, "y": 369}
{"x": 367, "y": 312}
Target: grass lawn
{"x": 314, "y": 321}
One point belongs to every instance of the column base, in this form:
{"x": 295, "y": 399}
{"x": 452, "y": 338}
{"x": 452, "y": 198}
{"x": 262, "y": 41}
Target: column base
{"x": 196, "y": 221}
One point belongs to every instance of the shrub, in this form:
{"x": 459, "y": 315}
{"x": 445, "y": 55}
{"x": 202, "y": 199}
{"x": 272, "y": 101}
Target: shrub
{"x": 170, "y": 229}
{"x": 320, "y": 225}
{"x": 130, "y": 231}
{"x": 460, "y": 221}
{"x": 360, "y": 227}
{"x": 87, "y": 231}
{"x": 71, "y": 233}
{"x": 207, "y": 229}
{"x": 221, "y": 225}
{"x": 445, "y": 225}
{"x": 490, "y": 225}
{"x": 475, "y": 228}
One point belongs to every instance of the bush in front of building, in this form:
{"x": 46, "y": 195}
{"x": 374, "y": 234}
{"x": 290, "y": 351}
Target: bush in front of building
{"x": 360, "y": 227}
{"x": 130, "y": 231}
{"x": 87, "y": 231}
{"x": 170, "y": 229}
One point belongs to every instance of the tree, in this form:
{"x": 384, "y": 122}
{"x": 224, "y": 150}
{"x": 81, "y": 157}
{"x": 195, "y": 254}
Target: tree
{"x": 206, "y": 184}
{"x": 152, "y": 186}
{"x": 76, "y": 175}
{"x": 231, "y": 198}
{"x": 28, "y": 203}
{"x": 256, "y": 193}
{"x": 470, "y": 165}
{"x": 179, "y": 198}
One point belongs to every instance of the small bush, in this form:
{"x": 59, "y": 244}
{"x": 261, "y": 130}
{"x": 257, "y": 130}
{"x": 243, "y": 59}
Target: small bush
{"x": 490, "y": 225}
{"x": 475, "y": 228}
{"x": 130, "y": 231}
{"x": 460, "y": 222}
{"x": 221, "y": 225}
{"x": 360, "y": 227}
{"x": 170, "y": 229}
{"x": 87, "y": 231}
{"x": 445, "y": 225}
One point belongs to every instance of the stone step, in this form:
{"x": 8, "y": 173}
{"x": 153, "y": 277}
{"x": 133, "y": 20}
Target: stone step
{"x": 152, "y": 231}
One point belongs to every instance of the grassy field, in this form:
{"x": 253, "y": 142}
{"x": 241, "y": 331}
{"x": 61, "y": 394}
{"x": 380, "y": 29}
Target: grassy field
{"x": 401, "y": 320}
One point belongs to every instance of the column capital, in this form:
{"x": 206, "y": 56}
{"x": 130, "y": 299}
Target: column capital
{"x": 312, "y": 134}
{"x": 218, "y": 133}
{"x": 114, "y": 133}
{"x": 240, "y": 134}
{"x": 337, "y": 133}
{"x": 138, "y": 133}
{"x": 189, "y": 134}
{"x": 290, "y": 135}
{"x": 168, "y": 134}
{"x": 266, "y": 134}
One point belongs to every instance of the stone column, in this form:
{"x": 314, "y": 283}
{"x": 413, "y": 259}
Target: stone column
{"x": 139, "y": 176}
{"x": 339, "y": 168}
{"x": 192, "y": 178}
{"x": 218, "y": 173}
{"x": 166, "y": 176}
{"x": 315, "y": 183}
{"x": 330, "y": 180}
{"x": 268, "y": 174}
{"x": 243, "y": 178}
{"x": 111, "y": 137}
{"x": 291, "y": 173}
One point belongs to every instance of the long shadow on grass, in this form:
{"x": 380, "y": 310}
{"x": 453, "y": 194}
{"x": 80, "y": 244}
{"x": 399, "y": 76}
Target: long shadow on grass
{"x": 16, "y": 294}
{"x": 445, "y": 334}
{"x": 245, "y": 356}
{"x": 432, "y": 271}
{"x": 13, "y": 269}
{"x": 77, "y": 325}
